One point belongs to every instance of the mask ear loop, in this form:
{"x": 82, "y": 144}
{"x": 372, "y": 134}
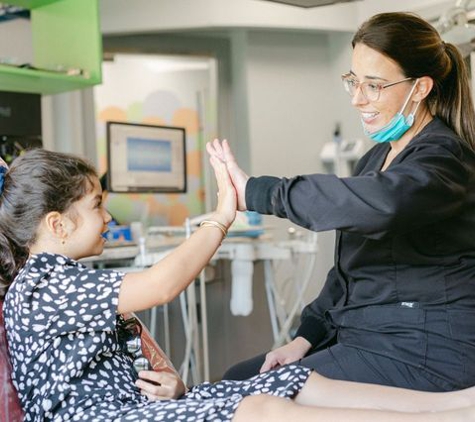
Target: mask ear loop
{"x": 408, "y": 98}
{"x": 411, "y": 116}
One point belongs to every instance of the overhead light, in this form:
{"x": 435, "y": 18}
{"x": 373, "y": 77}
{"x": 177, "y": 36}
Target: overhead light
{"x": 309, "y": 3}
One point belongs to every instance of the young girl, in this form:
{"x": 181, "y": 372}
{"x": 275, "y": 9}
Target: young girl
{"x": 70, "y": 358}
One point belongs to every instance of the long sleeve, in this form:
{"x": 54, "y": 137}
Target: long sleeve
{"x": 402, "y": 233}
{"x": 424, "y": 184}
{"x": 314, "y": 327}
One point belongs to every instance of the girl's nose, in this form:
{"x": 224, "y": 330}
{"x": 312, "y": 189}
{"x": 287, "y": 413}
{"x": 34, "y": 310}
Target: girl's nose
{"x": 107, "y": 217}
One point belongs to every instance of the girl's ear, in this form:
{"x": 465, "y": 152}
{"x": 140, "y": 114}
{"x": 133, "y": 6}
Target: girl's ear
{"x": 56, "y": 225}
{"x": 423, "y": 89}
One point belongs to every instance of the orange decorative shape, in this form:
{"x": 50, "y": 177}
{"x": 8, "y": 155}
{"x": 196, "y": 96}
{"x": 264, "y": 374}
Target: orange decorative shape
{"x": 187, "y": 118}
{"x": 178, "y": 213}
{"x": 114, "y": 114}
{"x": 193, "y": 163}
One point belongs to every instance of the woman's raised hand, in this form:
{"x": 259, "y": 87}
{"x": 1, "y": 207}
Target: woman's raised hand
{"x": 222, "y": 151}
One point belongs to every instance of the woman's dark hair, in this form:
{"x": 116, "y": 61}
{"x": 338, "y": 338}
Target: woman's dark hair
{"x": 417, "y": 48}
{"x": 37, "y": 183}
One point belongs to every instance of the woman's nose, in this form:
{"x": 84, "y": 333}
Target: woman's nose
{"x": 358, "y": 98}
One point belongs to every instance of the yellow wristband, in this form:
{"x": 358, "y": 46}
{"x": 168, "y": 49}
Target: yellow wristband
{"x": 212, "y": 223}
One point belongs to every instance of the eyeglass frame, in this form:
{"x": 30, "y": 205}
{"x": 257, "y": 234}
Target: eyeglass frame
{"x": 346, "y": 76}
{"x": 129, "y": 333}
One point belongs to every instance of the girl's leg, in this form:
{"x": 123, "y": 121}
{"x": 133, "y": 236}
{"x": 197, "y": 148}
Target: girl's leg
{"x": 322, "y": 391}
{"x": 265, "y": 408}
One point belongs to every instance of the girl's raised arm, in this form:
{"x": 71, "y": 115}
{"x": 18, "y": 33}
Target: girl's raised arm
{"x": 165, "y": 280}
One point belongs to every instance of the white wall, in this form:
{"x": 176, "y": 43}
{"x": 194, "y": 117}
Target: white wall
{"x": 290, "y": 101}
{"x": 295, "y": 99}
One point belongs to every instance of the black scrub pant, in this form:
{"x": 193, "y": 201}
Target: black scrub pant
{"x": 352, "y": 364}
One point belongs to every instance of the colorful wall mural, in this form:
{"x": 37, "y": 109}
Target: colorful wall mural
{"x": 135, "y": 91}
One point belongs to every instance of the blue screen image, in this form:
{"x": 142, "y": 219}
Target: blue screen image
{"x": 149, "y": 155}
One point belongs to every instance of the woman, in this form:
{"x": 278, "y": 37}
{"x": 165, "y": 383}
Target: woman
{"x": 398, "y": 307}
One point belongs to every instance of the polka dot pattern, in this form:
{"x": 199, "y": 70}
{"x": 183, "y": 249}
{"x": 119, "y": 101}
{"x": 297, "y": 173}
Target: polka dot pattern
{"x": 60, "y": 318}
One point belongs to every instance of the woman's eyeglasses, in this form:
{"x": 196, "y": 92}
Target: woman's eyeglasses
{"x": 370, "y": 90}
{"x": 129, "y": 332}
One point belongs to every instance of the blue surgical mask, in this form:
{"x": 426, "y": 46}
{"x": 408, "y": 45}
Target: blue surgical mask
{"x": 398, "y": 125}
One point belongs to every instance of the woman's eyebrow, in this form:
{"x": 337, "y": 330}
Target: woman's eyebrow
{"x": 370, "y": 77}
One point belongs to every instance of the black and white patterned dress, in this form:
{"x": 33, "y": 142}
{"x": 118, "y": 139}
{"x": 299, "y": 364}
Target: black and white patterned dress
{"x": 60, "y": 318}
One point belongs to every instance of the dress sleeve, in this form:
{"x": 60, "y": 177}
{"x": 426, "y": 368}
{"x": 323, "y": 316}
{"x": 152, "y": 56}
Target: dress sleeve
{"x": 426, "y": 184}
{"x": 75, "y": 300}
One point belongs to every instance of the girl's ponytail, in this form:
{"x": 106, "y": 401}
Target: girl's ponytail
{"x": 11, "y": 260}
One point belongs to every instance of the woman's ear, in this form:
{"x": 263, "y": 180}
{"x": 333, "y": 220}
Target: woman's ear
{"x": 423, "y": 88}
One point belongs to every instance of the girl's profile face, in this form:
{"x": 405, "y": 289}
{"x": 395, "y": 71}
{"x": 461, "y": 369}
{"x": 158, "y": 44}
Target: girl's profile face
{"x": 90, "y": 221}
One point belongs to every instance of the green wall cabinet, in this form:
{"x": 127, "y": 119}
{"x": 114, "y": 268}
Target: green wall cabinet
{"x": 65, "y": 33}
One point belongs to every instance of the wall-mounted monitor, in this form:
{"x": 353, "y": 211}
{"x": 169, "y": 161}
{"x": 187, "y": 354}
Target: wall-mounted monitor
{"x": 146, "y": 158}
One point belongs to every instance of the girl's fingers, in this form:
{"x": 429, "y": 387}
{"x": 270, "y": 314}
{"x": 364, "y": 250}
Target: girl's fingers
{"x": 221, "y": 172}
{"x": 210, "y": 148}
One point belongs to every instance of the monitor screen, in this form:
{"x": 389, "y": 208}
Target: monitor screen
{"x": 145, "y": 158}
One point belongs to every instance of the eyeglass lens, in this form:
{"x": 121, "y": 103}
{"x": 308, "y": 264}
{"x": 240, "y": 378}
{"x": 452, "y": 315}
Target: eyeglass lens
{"x": 370, "y": 92}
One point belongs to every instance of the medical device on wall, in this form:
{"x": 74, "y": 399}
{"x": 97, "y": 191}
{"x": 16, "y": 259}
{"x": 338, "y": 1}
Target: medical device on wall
{"x": 146, "y": 158}
{"x": 340, "y": 157}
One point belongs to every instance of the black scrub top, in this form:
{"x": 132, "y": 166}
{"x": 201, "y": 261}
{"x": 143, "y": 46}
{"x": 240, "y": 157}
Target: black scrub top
{"x": 403, "y": 283}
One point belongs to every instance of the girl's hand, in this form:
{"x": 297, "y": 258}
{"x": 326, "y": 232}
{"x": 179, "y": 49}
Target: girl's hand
{"x": 222, "y": 151}
{"x": 160, "y": 385}
{"x": 226, "y": 207}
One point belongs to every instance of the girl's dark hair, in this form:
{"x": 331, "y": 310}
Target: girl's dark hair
{"x": 417, "y": 48}
{"x": 37, "y": 183}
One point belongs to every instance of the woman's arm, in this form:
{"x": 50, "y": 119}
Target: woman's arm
{"x": 425, "y": 184}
